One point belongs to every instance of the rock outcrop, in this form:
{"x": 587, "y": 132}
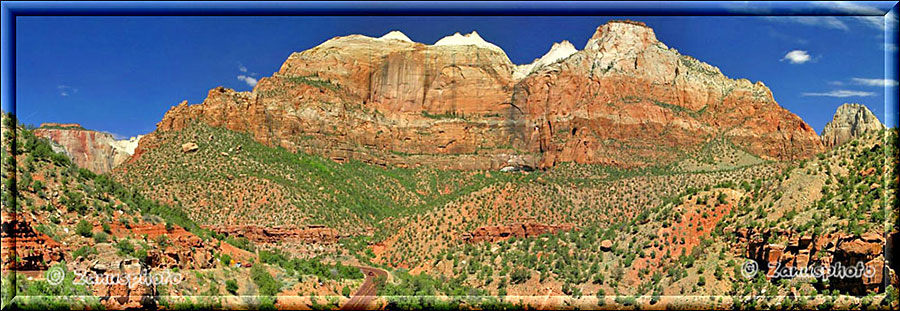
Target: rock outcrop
{"x": 517, "y": 230}
{"x": 307, "y": 234}
{"x": 24, "y": 248}
{"x": 625, "y": 100}
{"x": 850, "y": 121}
{"x": 97, "y": 151}
{"x": 838, "y": 257}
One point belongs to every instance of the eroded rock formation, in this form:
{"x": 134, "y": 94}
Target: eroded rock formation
{"x": 850, "y": 121}
{"x": 24, "y": 248}
{"x": 308, "y": 234}
{"x": 625, "y": 100}
{"x": 96, "y": 151}
{"x": 517, "y": 230}
{"x": 831, "y": 252}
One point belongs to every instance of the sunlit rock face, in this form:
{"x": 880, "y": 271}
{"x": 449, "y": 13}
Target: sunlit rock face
{"x": 626, "y": 99}
{"x": 850, "y": 121}
{"x": 97, "y": 151}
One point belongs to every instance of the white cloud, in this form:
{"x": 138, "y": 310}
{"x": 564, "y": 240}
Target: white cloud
{"x": 841, "y": 93}
{"x": 251, "y": 81}
{"x": 870, "y": 16}
{"x": 242, "y": 68}
{"x": 831, "y": 22}
{"x": 65, "y": 90}
{"x": 836, "y": 83}
{"x": 797, "y": 57}
{"x": 874, "y": 82}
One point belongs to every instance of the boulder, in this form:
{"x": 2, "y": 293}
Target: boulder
{"x": 606, "y": 245}
{"x": 189, "y": 147}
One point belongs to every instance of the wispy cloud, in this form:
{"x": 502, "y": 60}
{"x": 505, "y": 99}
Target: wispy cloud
{"x": 831, "y": 22}
{"x": 779, "y": 35}
{"x": 242, "y": 68}
{"x": 797, "y": 57}
{"x": 251, "y": 81}
{"x": 841, "y": 94}
{"x": 874, "y": 82}
{"x": 869, "y": 16}
{"x": 65, "y": 90}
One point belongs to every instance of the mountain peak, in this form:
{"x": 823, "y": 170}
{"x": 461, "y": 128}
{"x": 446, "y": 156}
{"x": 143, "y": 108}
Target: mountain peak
{"x": 615, "y": 35}
{"x": 558, "y": 51}
{"x": 395, "y": 35}
{"x": 850, "y": 121}
{"x": 471, "y": 38}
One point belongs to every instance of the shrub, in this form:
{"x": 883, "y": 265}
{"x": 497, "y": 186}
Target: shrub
{"x": 267, "y": 285}
{"x": 231, "y": 286}
{"x": 125, "y": 247}
{"x": 84, "y": 251}
{"x": 101, "y": 237}
{"x": 520, "y": 276}
{"x": 83, "y": 228}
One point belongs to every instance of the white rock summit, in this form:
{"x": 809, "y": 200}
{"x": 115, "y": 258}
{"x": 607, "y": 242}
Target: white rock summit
{"x": 395, "y": 35}
{"x": 469, "y": 39}
{"x": 558, "y": 51}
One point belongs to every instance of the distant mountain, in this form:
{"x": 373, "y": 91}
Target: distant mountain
{"x": 625, "y": 100}
{"x": 850, "y": 121}
{"x": 97, "y": 151}
{"x": 365, "y": 98}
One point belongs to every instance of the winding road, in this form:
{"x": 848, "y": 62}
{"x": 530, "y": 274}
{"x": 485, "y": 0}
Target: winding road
{"x": 367, "y": 291}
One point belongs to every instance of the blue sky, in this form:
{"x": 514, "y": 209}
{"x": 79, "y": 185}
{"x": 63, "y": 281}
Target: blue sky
{"x": 121, "y": 74}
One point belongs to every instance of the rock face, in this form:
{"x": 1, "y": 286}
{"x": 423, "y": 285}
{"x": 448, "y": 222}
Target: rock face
{"x": 34, "y": 250}
{"x": 96, "y": 151}
{"x": 517, "y": 230}
{"x": 850, "y": 121}
{"x": 121, "y": 295}
{"x": 625, "y": 100}
{"x": 308, "y": 234}
{"x": 830, "y": 253}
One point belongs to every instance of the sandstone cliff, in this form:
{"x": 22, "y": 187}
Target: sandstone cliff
{"x": 805, "y": 253}
{"x": 850, "y": 121}
{"x": 96, "y": 151}
{"x": 625, "y": 100}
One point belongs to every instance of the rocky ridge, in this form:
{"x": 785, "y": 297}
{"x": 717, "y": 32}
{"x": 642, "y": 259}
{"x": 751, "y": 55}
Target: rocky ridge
{"x": 459, "y": 106}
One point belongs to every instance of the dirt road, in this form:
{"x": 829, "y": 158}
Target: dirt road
{"x": 367, "y": 291}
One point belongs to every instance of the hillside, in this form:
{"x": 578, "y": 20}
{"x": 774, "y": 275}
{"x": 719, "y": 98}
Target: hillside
{"x": 384, "y": 173}
{"x": 58, "y": 216}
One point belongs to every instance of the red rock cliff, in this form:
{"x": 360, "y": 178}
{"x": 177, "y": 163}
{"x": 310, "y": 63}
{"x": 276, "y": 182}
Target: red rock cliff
{"x": 626, "y": 100}
{"x": 96, "y": 151}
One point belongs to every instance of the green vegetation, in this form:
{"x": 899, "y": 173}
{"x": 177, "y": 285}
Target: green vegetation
{"x": 84, "y": 228}
{"x": 445, "y": 115}
{"x": 264, "y": 281}
{"x": 305, "y": 189}
{"x": 231, "y": 286}
{"x": 58, "y": 127}
{"x": 310, "y": 266}
{"x": 314, "y": 81}
{"x": 41, "y": 295}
